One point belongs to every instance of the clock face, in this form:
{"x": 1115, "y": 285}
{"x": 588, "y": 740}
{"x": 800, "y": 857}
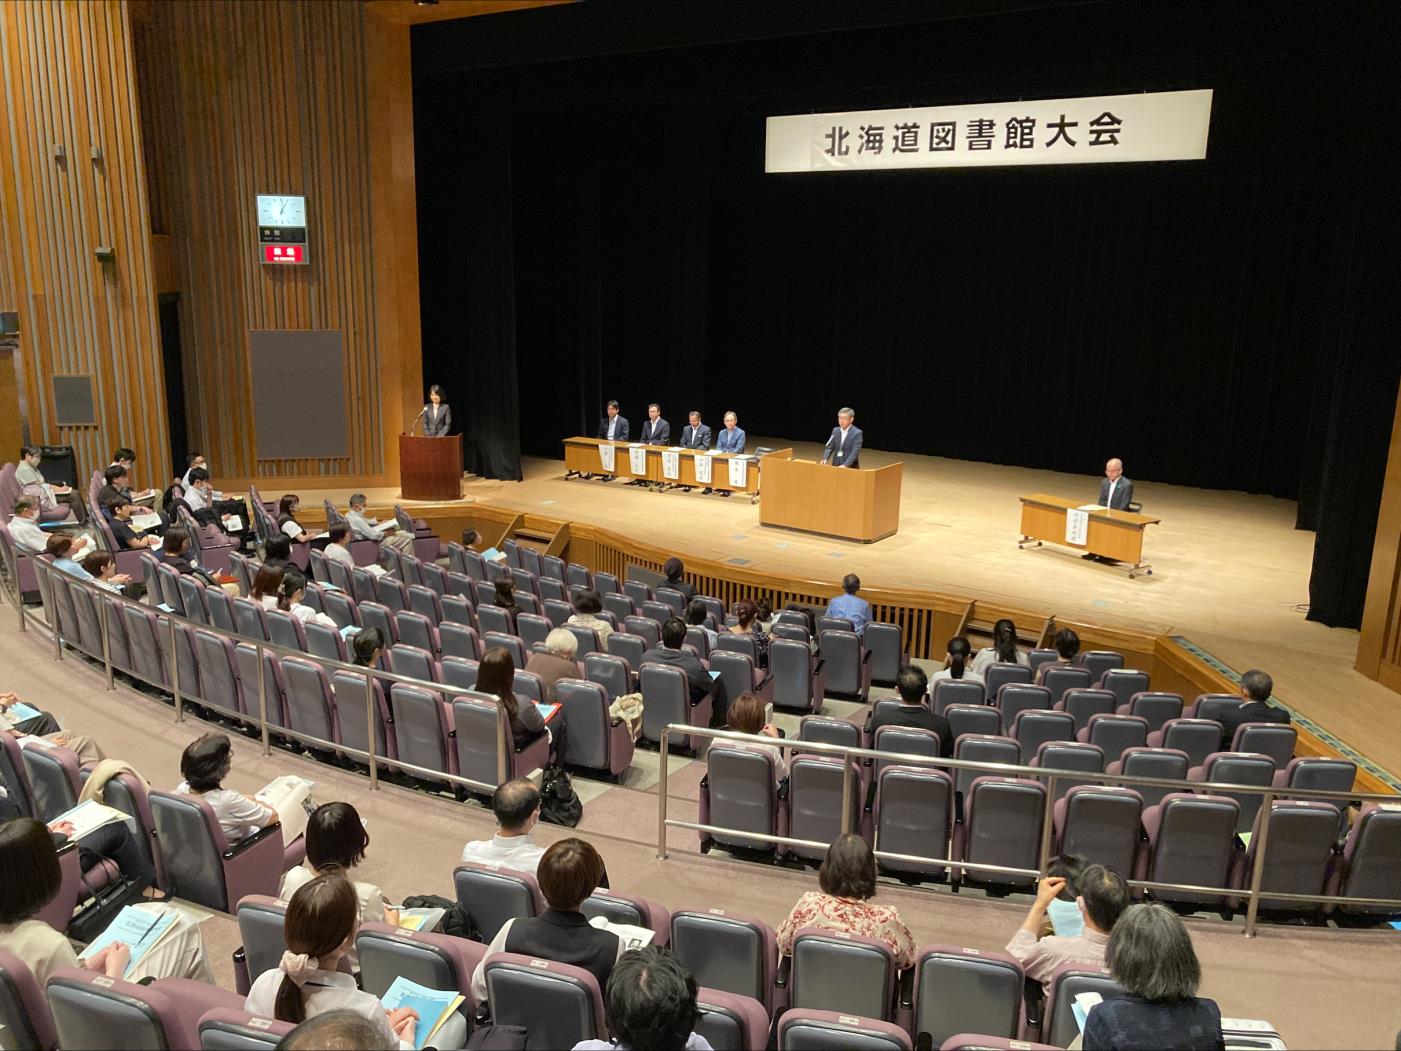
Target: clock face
{"x": 281, "y": 210}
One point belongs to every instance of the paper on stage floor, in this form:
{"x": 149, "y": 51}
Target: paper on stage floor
{"x": 1077, "y": 526}
{"x": 671, "y": 464}
{"x": 704, "y": 468}
{"x": 286, "y": 794}
{"x": 608, "y": 457}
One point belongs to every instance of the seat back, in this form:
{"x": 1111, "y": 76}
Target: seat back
{"x": 845, "y": 659}
{"x": 1115, "y": 733}
{"x": 1197, "y": 738}
{"x": 1058, "y": 678}
{"x": 192, "y": 599}
{"x": 512, "y": 644}
{"x": 1038, "y": 656}
{"x": 790, "y": 664}
{"x": 741, "y": 793}
{"x": 419, "y": 731}
{"x": 737, "y": 670}
{"x": 560, "y": 1005}
{"x": 726, "y": 951}
{"x": 483, "y": 732}
{"x": 1123, "y": 683}
{"x": 416, "y": 663}
{"x": 436, "y": 961}
{"x": 221, "y": 613}
{"x": 93, "y": 1011}
{"x": 589, "y": 740}
{"x": 1275, "y": 740}
{"x": 325, "y": 643}
{"x": 356, "y": 716}
{"x": 666, "y": 698}
{"x": 147, "y": 654}
{"x": 1100, "y": 822}
{"x": 1002, "y": 820}
{"x": 1083, "y": 705}
{"x": 128, "y": 793}
{"x": 905, "y": 740}
{"x": 233, "y": 1029}
{"x": 459, "y": 640}
{"x": 729, "y": 1022}
{"x": 913, "y": 815}
{"x": 24, "y": 1013}
{"x": 1156, "y": 707}
{"x": 815, "y": 802}
{"x": 1014, "y": 698}
{"x": 193, "y": 846}
{"x": 1097, "y": 662}
{"x": 956, "y": 691}
{"x": 629, "y": 647}
{"x": 1192, "y": 841}
{"x": 1000, "y": 673}
{"x": 886, "y": 647}
{"x": 1059, "y": 1026}
{"x": 1372, "y": 859}
{"x": 489, "y": 897}
{"x": 532, "y": 628}
{"x": 1298, "y": 852}
{"x": 809, "y": 1030}
{"x": 1154, "y": 762}
{"x": 246, "y": 657}
{"x": 973, "y": 719}
{"x": 218, "y": 672}
{"x": 250, "y": 618}
{"x": 1032, "y": 728}
{"x": 1320, "y": 772}
{"x": 828, "y": 729}
{"x": 311, "y": 706}
{"x": 285, "y": 630}
{"x": 966, "y": 991}
{"x": 53, "y": 780}
{"x": 1239, "y": 768}
{"x": 1214, "y": 705}
{"x": 982, "y": 748}
{"x": 671, "y": 598}
{"x": 260, "y": 925}
{"x": 848, "y": 973}
{"x": 1068, "y": 755}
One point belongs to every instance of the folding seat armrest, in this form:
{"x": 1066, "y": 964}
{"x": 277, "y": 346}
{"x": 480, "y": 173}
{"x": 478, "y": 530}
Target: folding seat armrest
{"x": 780, "y": 977}
{"x": 245, "y": 845}
{"x": 1034, "y": 999}
{"x": 906, "y": 990}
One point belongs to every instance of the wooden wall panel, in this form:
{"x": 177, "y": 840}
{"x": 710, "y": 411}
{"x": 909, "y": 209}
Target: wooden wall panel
{"x": 275, "y": 97}
{"x": 68, "y": 80}
{"x": 1379, "y": 646}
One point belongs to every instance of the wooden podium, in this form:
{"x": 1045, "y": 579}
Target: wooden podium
{"x": 1109, "y": 534}
{"x": 430, "y": 468}
{"x": 850, "y": 503}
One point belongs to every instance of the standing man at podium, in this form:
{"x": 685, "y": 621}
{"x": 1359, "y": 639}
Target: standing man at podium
{"x": 1115, "y": 491}
{"x": 844, "y": 447}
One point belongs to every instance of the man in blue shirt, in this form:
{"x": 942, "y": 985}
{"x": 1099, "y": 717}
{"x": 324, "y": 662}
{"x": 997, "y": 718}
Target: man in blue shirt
{"x": 731, "y": 438}
{"x": 856, "y": 610}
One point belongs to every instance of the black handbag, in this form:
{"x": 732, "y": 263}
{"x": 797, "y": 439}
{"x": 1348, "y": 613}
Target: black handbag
{"x": 559, "y": 803}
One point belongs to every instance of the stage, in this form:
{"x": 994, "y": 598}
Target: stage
{"x": 1230, "y": 572}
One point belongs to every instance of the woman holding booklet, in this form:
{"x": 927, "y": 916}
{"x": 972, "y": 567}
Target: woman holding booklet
{"x": 149, "y": 940}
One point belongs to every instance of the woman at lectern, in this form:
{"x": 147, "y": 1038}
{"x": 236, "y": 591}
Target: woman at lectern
{"x": 437, "y": 414}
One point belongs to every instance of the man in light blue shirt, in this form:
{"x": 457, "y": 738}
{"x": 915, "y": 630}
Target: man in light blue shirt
{"x": 856, "y": 610}
{"x": 731, "y": 438}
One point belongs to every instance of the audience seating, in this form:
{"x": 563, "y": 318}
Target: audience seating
{"x": 1168, "y": 763}
{"x": 1123, "y": 683}
{"x": 1002, "y": 821}
{"x": 1068, "y": 755}
{"x": 973, "y": 719}
{"x": 999, "y": 674}
{"x": 852, "y": 974}
{"x": 666, "y": 698}
{"x": 1083, "y": 705}
{"x": 595, "y": 739}
{"x": 1298, "y": 852}
{"x": 1100, "y": 822}
{"x": 91, "y": 1010}
{"x": 958, "y": 990}
{"x": 913, "y": 814}
{"x": 730, "y": 1022}
{"x": 561, "y": 1005}
{"x": 886, "y": 648}
{"x": 1157, "y": 708}
{"x": 234, "y": 1029}
{"x": 24, "y": 1010}
{"x": 1237, "y": 768}
{"x": 814, "y": 1030}
{"x": 815, "y": 795}
{"x": 1059, "y": 1027}
{"x": 1197, "y": 738}
{"x": 947, "y": 692}
{"x": 799, "y": 677}
{"x": 437, "y": 961}
{"x": 1014, "y": 698}
{"x": 740, "y": 791}
{"x": 1190, "y": 840}
{"x": 490, "y": 897}
{"x": 1370, "y": 864}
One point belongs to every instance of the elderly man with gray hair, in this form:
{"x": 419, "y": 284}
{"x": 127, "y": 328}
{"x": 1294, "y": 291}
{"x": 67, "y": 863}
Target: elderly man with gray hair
{"x": 843, "y": 449}
{"x": 363, "y": 527}
{"x": 557, "y": 663}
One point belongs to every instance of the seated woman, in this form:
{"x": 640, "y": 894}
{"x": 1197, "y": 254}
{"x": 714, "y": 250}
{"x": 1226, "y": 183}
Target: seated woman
{"x": 46, "y": 726}
{"x": 175, "y": 553}
{"x": 848, "y": 881}
{"x": 496, "y": 675}
{"x": 587, "y": 608}
{"x": 29, "y": 859}
{"x": 289, "y": 599}
{"x": 368, "y": 647}
{"x": 506, "y": 598}
{"x": 674, "y": 570}
{"x": 204, "y": 764}
{"x": 746, "y": 716}
{"x": 568, "y": 873}
{"x": 322, "y": 919}
{"x": 1003, "y": 650}
{"x": 287, "y": 509}
{"x": 60, "y": 546}
{"x": 102, "y": 568}
{"x": 1150, "y": 954}
{"x": 956, "y": 663}
{"x": 277, "y": 549}
{"x": 748, "y": 614}
{"x": 267, "y": 584}
{"x": 765, "y": 609}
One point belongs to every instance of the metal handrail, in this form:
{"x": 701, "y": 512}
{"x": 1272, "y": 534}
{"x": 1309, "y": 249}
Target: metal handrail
{"x": 1253, "y": 894}
{"x": 47, "y": 572}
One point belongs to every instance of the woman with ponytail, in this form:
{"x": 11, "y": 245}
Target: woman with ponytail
{"x": 322, "y": 919}
{"x": 290, "y": 593}
{"x": 1003, "y": 649}
{"x": 958, "y": 664}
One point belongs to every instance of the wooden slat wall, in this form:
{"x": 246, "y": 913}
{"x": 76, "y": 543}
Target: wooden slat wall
{"x": 1379, "y": 647}
{"x": 274, "y": 97}
{"x": 68, "y": 79}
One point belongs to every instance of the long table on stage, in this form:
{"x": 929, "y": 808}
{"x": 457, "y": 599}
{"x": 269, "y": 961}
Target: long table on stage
{"x": 1110, "y": 534}
{"x": 582, "y": 456}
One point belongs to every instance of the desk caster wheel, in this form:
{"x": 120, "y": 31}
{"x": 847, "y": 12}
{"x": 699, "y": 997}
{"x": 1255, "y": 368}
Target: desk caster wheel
{"x": 1150, "y": 572}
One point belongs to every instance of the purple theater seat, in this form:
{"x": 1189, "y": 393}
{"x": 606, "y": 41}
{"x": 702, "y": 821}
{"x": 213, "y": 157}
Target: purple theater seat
{"x": 808, "y": 1028}
{"x": 740, "y": 792}
{"x": 24, "y": 1012}
{"x": 92, "y": 1010}
{"x": 1157, "y": 708}
{"x": 729, "y": 951}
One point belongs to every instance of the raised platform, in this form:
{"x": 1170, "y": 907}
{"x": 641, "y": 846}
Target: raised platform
{"x": 1230, "y": 571}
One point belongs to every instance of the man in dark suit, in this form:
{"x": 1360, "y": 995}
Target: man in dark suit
{"x": 914, "y": 709}
{"x": 695, "y": 435}
{"x": 1115, "y": 491}
{"x": 671, "y": 653}
{"x": 613, "y": 428}
{"x": 1255, "y": 690}
{"x": 844, "y": 447}
{"x": 656, "y": 431}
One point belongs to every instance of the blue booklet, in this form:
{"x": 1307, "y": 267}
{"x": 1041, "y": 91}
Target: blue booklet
{"x": 138, "y": 929}
{"x": 1066, "y": 918}
{"x": 350, "y": 630}
{"x": 22, "y": 712}
{"x": 546, "y": 711}
{"x": 433, "y": 1006}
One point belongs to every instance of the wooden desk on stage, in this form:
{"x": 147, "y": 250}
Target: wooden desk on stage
{"x": 430, "y": 468}
{"x": 1112, "y": 534}
{"x": 850, "y": 503}
{"x": 581, "y": 456}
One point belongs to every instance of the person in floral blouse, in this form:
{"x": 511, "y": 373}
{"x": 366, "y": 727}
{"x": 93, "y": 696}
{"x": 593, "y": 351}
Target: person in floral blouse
{"x": 848, "y": 881}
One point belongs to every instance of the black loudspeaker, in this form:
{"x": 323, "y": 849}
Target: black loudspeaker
{"x": 59, "y": 464}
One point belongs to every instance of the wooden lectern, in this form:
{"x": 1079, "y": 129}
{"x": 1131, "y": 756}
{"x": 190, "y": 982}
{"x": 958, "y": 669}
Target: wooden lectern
{"x": 846, "y": 502}
{"x": 430, "y": 468}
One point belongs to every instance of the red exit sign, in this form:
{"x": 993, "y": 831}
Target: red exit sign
{"x": 284, "y": 253}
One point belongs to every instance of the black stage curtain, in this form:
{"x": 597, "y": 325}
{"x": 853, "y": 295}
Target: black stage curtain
{"x": 1207, "y": 321}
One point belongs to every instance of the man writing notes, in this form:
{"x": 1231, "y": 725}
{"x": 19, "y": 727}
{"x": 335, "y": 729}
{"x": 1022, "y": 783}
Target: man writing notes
{"x": 655, "y": 431}
{"x": 844, "y": 447}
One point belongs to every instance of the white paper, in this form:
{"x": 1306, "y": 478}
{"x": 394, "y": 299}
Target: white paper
{"x": 705, "y": 467}
{"x": 148, "y": 520}
{"x": 86, "y": 817}
{"x": 739, "y": 472}
{"x": 671, "y": 464}
{"x": 637, "y": 460}
{"x": 285, "y": 795}
{"x": 1077, "y": 526}
{"x": 232, "y": 523}
{"x": 608, "y": 457}
{"x": 631, "y": 936}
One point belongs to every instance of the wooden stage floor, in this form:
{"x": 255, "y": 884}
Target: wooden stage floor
{"x": 1230, "y": 572}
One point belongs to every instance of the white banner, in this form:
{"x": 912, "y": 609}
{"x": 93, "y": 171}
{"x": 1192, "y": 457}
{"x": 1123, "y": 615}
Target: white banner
{"x": 1077, "y": 526}
{"x": 703, "y": 466}
{"x": 1155, "y": 126}
{"x": 608, "y": 457}
{"x": 739, "y": 472}
{"x": 637, "y": 459}
{"x": 671, "y": 464}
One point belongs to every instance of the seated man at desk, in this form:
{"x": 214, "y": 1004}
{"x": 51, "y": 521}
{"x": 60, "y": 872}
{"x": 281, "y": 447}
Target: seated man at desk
{"x": 614, "y": 427}
{"x": 730, "y": 440}
{"x": 1115, "y": 493}
{"x": 695, "y": 435}
{"x": 655, "y": 431}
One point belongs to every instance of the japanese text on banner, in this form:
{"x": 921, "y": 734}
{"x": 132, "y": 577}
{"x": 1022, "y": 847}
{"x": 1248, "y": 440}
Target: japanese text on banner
{"x": 607, "y": 457}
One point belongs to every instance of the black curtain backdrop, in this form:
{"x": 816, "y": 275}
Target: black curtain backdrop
{"x": 601, "y": 227}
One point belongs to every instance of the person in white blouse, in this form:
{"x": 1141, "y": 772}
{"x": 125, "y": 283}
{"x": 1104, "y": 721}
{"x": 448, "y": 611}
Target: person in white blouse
{"x": 289, "y": 599}
{"x": 516, "y": 805}
{"x": 957, "y": 663}
{"x": 29, "y": 538}
{"x": 322, "y": 919}
{"x": 1002, "y": 651}
{"x": 204, "y": 764}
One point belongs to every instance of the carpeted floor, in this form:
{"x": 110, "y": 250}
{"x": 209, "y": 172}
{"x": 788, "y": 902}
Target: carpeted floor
{"x": 1321, "y": 988}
